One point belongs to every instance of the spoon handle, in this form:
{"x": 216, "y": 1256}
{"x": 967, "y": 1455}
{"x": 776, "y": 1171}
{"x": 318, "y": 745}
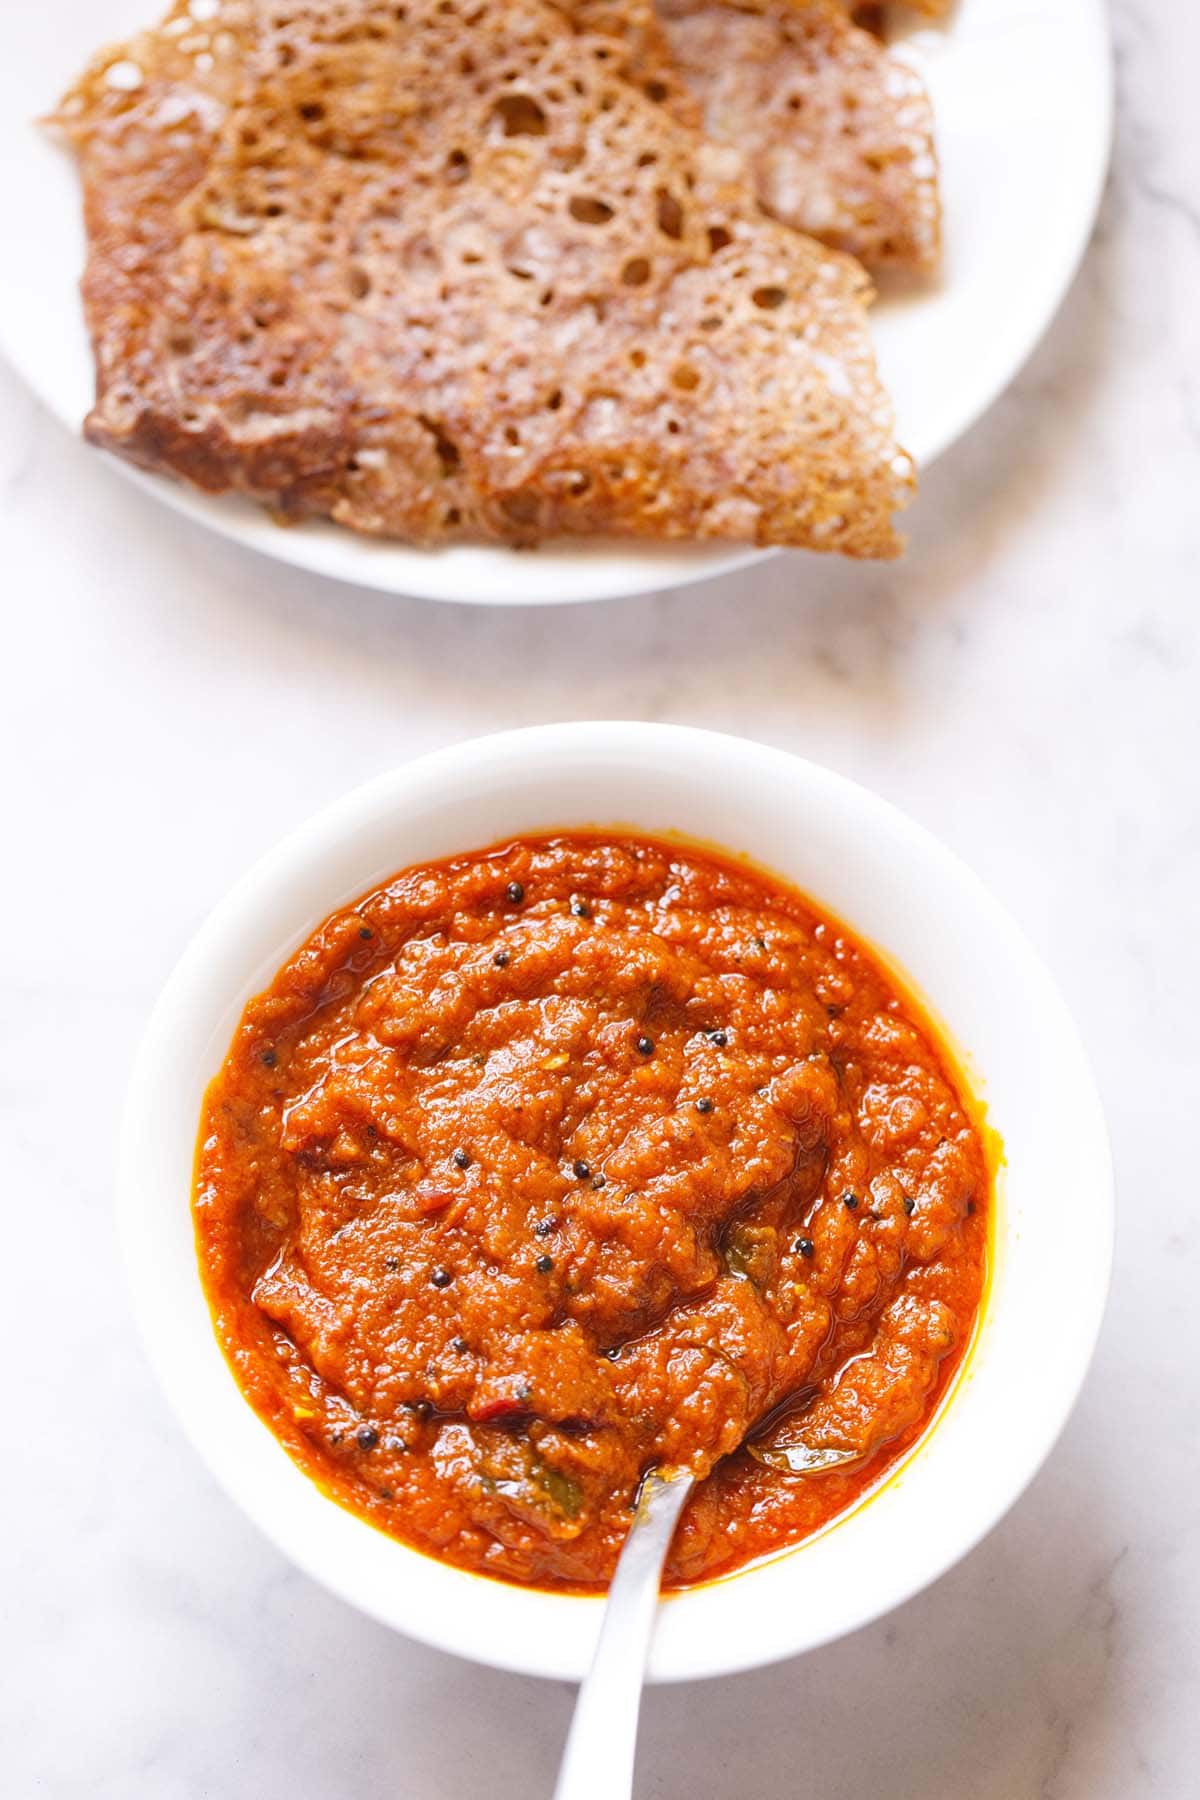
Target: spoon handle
{"x": 597, "y": 1762}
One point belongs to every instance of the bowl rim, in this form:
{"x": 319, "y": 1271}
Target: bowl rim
{"x": 308, "y": 848}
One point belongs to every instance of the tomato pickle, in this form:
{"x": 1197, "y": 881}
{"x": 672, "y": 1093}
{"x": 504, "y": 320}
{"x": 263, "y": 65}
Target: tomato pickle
{"x": 538, "y": 1167}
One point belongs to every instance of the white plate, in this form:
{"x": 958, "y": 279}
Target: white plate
{"x": 1023, "y": 153}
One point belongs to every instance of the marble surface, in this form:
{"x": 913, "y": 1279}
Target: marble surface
{"x": 1027, "y": 682}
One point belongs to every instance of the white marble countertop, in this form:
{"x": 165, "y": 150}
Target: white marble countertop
{"x": 1027, "y": 682}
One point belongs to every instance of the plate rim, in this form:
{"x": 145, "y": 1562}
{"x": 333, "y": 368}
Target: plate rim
{"x": 320, "y": 548}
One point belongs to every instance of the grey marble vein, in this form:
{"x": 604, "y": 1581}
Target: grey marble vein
{"x": 1026, "y": 682}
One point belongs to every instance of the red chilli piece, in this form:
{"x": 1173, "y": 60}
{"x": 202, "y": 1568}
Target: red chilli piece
{"x": 488, "y": 1404}
{"x": 430, "y": 1197}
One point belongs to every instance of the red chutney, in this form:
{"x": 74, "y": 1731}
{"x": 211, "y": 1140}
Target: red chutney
{"x": 543, "y": 1165}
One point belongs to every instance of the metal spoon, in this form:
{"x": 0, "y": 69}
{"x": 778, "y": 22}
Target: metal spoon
{"x": 597, "y": 1762}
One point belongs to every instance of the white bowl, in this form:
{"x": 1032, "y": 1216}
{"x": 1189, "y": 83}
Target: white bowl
{"x": 1023, "y": 147}
{"x": 887, "y": 879}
